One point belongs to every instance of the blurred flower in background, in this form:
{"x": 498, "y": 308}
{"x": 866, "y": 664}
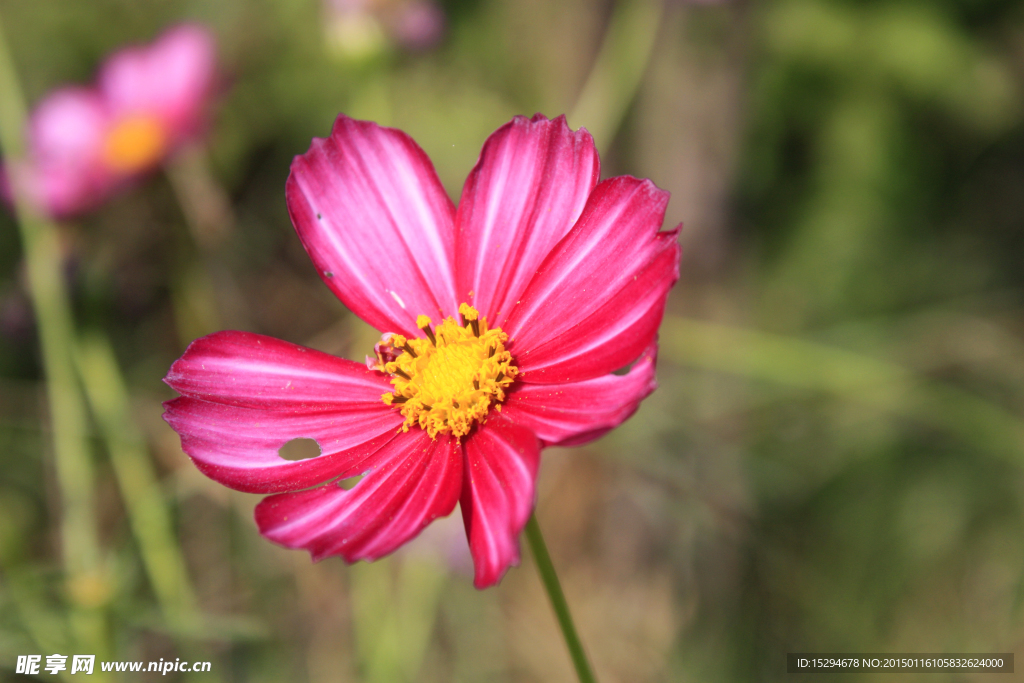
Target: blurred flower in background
{"x": 356, "y": 29}
{"x": 85, "y": 143}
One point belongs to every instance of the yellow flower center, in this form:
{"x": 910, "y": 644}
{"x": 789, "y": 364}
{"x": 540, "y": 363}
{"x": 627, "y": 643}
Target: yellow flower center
{"x": 449, "y": 380}
{"x": 135, "y": 143}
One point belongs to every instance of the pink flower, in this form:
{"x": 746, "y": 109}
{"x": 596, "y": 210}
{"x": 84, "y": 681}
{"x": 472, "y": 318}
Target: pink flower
{"x": 504, "y": 321}
{"x": 85, "y": 143}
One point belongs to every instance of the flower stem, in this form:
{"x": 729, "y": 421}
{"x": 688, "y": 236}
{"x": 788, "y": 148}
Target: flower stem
{"x": 137, "y": 480}
{"x": 53, "y": 317}
{"x": 809, "y": 365}
{"x": 86, "y": 582}
{"x": 558, "y": 603}
{"x": 618, "y": 70}
{"x": 204, "y": 203}
{"x": 204, "y": 295}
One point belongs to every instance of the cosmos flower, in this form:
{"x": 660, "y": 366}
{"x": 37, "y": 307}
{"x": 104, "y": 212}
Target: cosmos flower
{"x": 504, "y": 322}
{"x": 84, "y": 143}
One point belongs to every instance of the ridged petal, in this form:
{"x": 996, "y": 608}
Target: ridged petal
{"x": 368, "y": 207}
{"x": 498, "y": 494}
{"x": 597, "y": 300}
{"x": 524, "y": 194}
{"x": 245, "y": 395}
{"x": 575, "y": 413}
{"x": 415, "y": 481}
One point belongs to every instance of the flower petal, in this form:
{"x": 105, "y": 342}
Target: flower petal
{"x": 246, "y": 395}
{"x": 171, "y": 78}
{"x": 374, "y": 218}
{"x": 416, "y": 481}
{"x": 256, "y": 371}
{"x": 597, "y": 300}
{"x": 61, "y": 189}
{"x": 615, "y": 334}
{"x": 498, "y": 494}
{"x": 63, "y": 174}
{"x": 578, "y": 412}
{"x": 69, "y": 124}
{"x": 525, "y": 193}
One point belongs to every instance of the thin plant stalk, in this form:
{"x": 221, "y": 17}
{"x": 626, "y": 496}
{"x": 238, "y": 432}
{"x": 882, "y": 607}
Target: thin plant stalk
{"x": 558, "y": 603}
{"x": 394, "y": 607}
{"x": 813, "y": 366}
{"x": 204, "y": 203}
{"x": 144, "y": 501}
{"x": 86, "y": 583}
{"x": 618, "y": 70}
{"x": 136, "y": 478}
{"x": 204, "y": 295}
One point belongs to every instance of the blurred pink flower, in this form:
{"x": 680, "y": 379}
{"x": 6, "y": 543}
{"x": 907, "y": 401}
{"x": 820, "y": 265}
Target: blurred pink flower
{"x": 541, "y": 284}
{"x": 361, "y": 28}
{"x": 418, "y": 25}
{"x": 84, "y": 143}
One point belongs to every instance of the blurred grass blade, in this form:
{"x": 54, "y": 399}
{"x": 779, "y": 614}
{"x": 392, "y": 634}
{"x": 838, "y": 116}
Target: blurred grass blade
{"x": 147, "y": 510}
{"x": 196, "y": 313}
{"x": 203, "y": 201}
{"x": 804, "y": 364}
{"x": 87, "y": 586}
{"x": 618, "y": 70}
{"x": 420, "y": 583}
{"x": 201, "y": 283}
{"x": 394, "y": 614}
{"x": 25, "y": 593}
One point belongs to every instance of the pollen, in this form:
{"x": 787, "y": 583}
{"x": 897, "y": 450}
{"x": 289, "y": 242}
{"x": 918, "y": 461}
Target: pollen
{"x": 135, "y": 143}
{"x": 449, "y": 379}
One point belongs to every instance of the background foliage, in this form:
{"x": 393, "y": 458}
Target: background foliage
{"x": 833, "y": 461}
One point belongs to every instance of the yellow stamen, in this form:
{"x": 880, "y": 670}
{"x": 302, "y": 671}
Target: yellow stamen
{"x": 135, "y": 143}
{"x": 423, "y": 322}
{"x": 469, "y": 317}
{"x": 448, "y": 382}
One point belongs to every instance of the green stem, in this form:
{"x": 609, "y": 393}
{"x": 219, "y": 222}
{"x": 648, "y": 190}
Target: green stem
{"x": 204, "y": 295}
{"x": 53, "y": 317}
{"x": 618, "y": 70}
{"x": 558, "y": 603}
{"x": 809, "y": 365}
{"x": 394, "y": 608}
{"x": 137, "y": 480}
{"x": 204, "y": 203}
